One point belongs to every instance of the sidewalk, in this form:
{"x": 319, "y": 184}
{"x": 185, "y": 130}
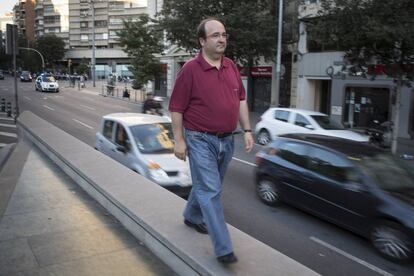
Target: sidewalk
{"x": 50, "y": 226}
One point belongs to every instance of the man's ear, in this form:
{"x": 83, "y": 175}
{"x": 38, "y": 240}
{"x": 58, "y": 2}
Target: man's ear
{"x": 201, "y": 41}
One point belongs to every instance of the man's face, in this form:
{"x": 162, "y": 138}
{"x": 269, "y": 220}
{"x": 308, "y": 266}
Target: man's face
{"x": 215, "y": 41}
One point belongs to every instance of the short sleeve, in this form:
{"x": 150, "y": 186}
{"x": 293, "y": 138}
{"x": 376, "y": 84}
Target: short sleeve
{"x": 180, "y": 96}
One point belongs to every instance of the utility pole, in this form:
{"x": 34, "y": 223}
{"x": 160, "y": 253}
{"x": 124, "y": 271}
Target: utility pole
{"x": 93, "y": 42}
{"x": 11, "y": 49}
{"x": 276, "y": 75}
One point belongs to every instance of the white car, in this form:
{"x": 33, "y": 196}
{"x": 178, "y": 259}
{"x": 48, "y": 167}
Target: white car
{"x": 46, "y": 83}
{"x": 278, "y": 121}
{"x": 144, "y": 143}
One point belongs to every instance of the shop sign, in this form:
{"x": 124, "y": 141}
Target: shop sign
{"x": 257, "y": 71}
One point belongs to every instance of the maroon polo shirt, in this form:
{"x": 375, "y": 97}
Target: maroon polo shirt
{"x": 209, "y": 98}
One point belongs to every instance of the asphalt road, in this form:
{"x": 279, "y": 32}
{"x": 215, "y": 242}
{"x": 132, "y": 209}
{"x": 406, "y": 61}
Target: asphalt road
{"x": 321, "y": 246}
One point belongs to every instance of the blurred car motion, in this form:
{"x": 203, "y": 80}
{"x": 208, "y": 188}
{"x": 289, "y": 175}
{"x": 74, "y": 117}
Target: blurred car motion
{"x": 144, "y": 143}
{"x": 46, "y": 83}
{"x": 354, "y": 185}
{"x": 25, "y": 76}
{"x": 278, "y": 121}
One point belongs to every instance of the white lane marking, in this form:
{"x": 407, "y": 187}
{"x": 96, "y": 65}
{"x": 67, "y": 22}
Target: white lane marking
{"x": 48, "y": 107}
{"x": 8, "y": 134}
{"x": 5, "y": 118}
{"x": 244, "y": 162}
{"x": 85, "y": 125}
{"x": 8, "y": 125}
{"x": 27, "y": 98}
{"x": 87, "y": 107}
{"x": 353, "y": 258}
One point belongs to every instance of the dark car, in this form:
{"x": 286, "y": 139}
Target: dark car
{"x": 354, "y": 185}
{"x": 1, "y": 75}
{"x": 25, "y": 76}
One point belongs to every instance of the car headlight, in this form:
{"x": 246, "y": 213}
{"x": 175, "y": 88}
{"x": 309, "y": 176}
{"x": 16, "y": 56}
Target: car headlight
{"x": 156, "y": 173}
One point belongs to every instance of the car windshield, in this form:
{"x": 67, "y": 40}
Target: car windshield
{"x": 48, "y": 79}
{"x": 327, "y": 123}
{"x": 154, "y": 138}
{"x": 25, "y": 73}
{"x": 390, "y": 173}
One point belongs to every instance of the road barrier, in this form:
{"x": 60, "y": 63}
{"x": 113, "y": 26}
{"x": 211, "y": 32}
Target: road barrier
{"x": 3, "y": 105}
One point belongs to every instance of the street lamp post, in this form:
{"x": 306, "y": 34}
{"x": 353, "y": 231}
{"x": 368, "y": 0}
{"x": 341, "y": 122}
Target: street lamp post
{"x": 40, "y": 54}
{"x": 93, "y": 42}
{"x": 276, "y": 75}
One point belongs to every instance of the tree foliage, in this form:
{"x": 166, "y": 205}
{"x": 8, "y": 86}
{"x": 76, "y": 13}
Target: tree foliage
{"x": 251, "y": 24}
{"x": 370, "y": 32}
{"x": 83, "y": 67}
{"x": 52, "y": 48}
{"x": 142, "y": 39}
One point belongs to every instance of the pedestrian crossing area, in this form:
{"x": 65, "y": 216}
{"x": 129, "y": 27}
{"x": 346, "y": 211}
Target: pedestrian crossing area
{"x": 8, "y": 130}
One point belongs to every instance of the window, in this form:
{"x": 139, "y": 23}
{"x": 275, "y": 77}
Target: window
{"x": 282, "y": 115}
{"x": 294, "y": 152}
{"x": 84, "y": 37}
{"x": 105, "y": 35}
{"x": 52, "y": 19}
{"x": 50, "y": 8}
{"x": 301, "y": 121}
{"x": 331, "y": 165}
{"x": 107, "y": 130}
{"x": 121, "y": 137}
{"x": 101, "y": 23}
{"x": 84, "y": 25}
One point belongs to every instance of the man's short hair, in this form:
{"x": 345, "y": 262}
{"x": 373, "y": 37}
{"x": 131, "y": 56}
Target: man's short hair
{"x": 201, "y": 29}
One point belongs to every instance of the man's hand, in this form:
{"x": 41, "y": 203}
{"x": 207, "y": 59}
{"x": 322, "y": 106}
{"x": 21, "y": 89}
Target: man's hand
{"x": 180, "y": 150}
{"x": 248, "y": 141}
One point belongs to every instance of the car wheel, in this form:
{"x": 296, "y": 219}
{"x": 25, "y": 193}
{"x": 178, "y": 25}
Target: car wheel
{"x": 264, "y": 137}
{"x": 268, "y": 191}
{"x": 392, "y": 242}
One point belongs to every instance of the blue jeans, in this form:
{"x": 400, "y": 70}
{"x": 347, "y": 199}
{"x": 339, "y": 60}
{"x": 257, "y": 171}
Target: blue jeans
{"x": 209, "y": 157}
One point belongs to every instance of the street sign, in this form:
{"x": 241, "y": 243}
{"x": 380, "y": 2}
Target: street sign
{"x": 11, "y": 35}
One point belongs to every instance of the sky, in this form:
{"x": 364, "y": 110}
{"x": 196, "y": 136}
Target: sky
{"x": 7, "y": 5}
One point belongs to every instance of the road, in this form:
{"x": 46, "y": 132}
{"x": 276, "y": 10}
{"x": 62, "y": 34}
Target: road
{"x": 321, "y": 246}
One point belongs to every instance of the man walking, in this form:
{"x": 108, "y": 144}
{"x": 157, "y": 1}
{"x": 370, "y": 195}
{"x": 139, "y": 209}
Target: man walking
{"x": 207, "y": 101}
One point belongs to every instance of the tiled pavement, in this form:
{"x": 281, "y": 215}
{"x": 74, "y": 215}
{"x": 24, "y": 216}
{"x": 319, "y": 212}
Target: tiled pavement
{"x": 52, "y": 227}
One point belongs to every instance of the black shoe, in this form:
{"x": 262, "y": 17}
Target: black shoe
{"x": 228, "y": 259}
{"x": 200, "y": 228}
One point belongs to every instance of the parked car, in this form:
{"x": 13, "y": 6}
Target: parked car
{"x": 1, "y": 75}
{"x": 355, "y": 185}
{"x": 144, "y": 143}
{"x": 45, "y": 83}
{"x": 25, "y": 76}
{"x": 278, "y": 121}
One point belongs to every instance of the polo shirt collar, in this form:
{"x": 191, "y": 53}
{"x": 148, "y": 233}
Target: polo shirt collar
{"x": 207, "y": 66}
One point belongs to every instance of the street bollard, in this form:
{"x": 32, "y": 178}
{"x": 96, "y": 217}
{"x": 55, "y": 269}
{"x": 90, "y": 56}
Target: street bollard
{"x": 9, "y": 109}
{"x": 3, "y": 105}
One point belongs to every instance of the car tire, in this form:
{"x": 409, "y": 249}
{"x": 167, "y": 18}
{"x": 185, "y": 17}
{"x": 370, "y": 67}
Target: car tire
{"x": 268, "y": 191}
{"x": 392, "y": 242}
{"x": 263, "y": 138}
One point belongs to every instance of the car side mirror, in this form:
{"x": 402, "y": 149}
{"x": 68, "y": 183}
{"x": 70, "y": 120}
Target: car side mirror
{"x": 309, "y": 127}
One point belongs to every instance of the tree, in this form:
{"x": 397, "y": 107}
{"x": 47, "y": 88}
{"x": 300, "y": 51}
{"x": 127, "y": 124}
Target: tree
{"x": 142, "y": 39}
{"x": 52, "y": 48}
{"x": 251, "y": 24}
{"x": 83, "y": 67}
{"x": 371, "y": 32}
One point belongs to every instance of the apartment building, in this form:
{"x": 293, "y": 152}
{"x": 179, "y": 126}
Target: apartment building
{"x": 353, "y": 100}
{"x": 24, "y": 17}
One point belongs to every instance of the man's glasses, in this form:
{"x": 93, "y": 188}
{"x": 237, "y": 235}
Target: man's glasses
{"x": 218, "y": 35}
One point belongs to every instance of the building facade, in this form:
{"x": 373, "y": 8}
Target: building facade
{"x": 24, "y": 18}
{"x": 355, "y": 101}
